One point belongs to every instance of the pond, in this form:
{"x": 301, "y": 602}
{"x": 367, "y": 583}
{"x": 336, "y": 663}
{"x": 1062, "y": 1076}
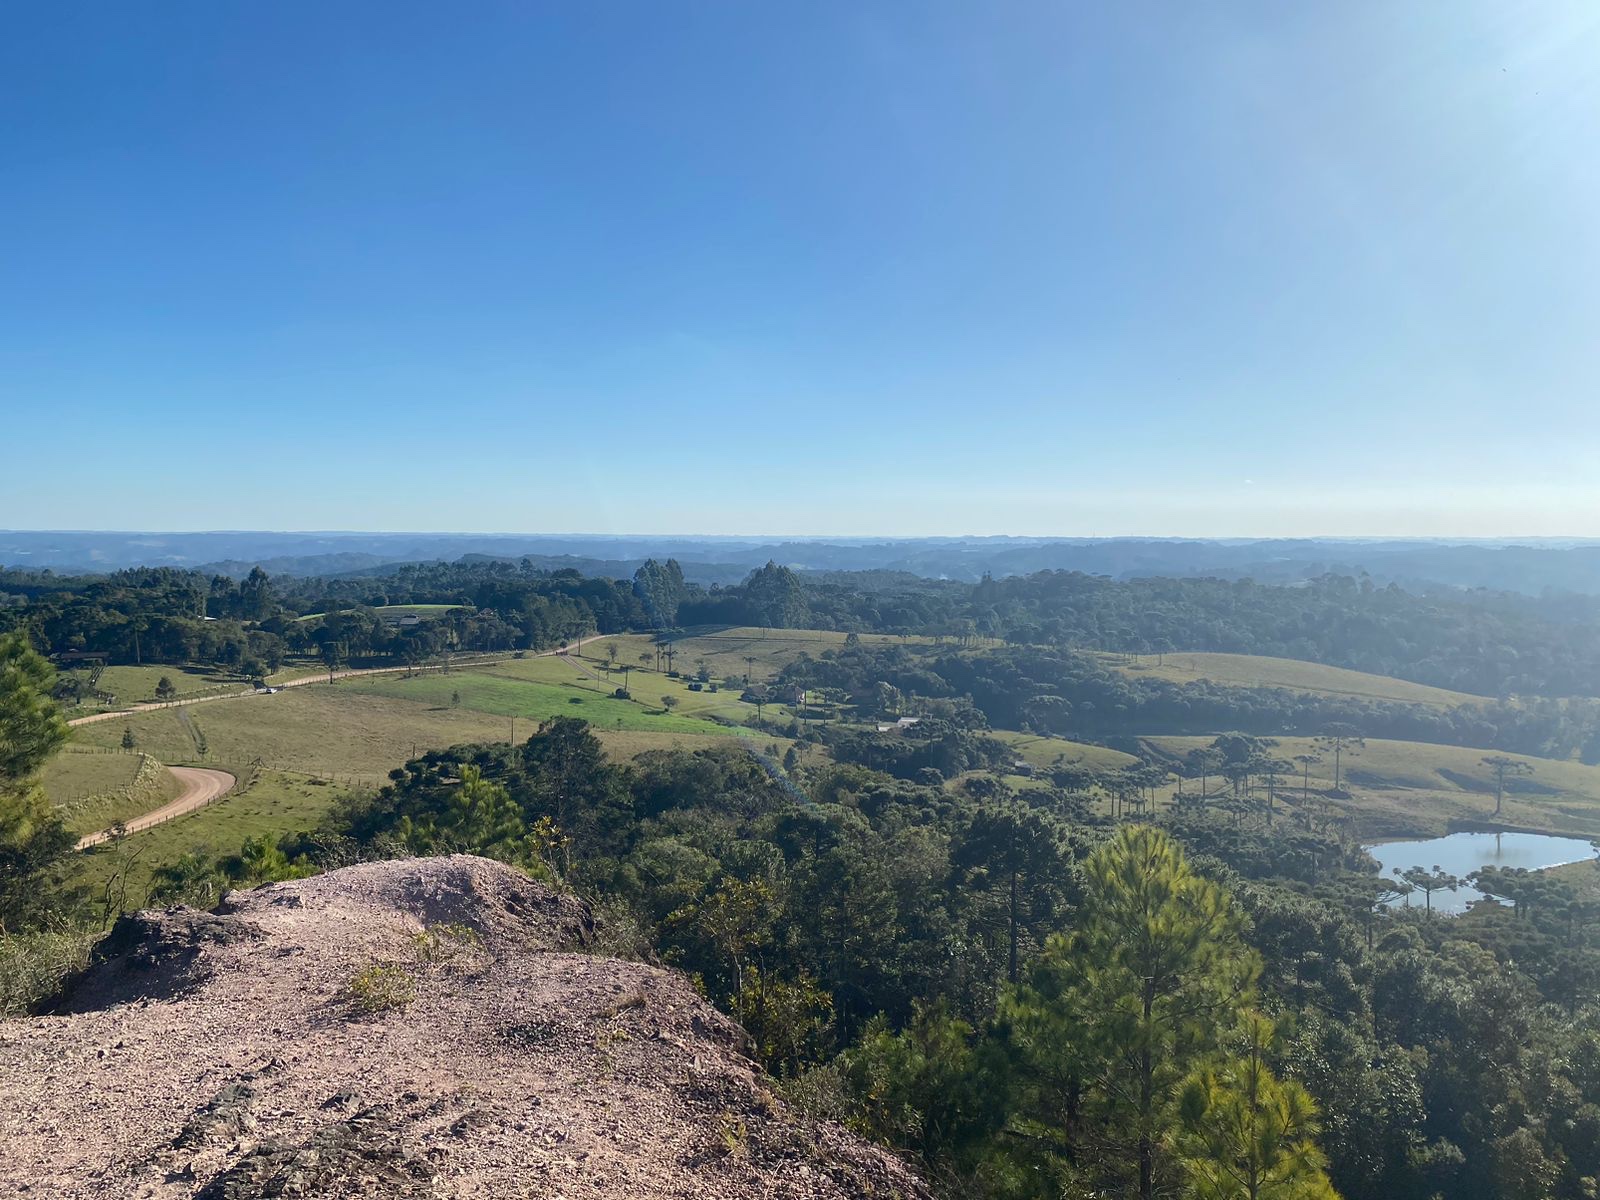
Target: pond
{"x": 1462, "y": 853}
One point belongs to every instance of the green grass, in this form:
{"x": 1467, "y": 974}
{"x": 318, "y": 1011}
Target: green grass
{"x": 724, "y": 651}
{"x": 137, "y": 684}
{"x": 1044, "y": 752}
{"x": 137, "y": 785}
{"x": 70, "y": 777}
{"x": 361, "y": 729}
{"x": 533, "y": 701}
{"x": 592, "y": 673}
{"x": 1249, "y": 670}
{"x": 277, "y": 804}
{"x": 315, "y": 729}
{"x": 1400, "y": 788}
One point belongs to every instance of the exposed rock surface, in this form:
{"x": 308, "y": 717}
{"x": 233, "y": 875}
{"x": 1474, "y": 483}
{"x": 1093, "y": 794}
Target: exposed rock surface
{"x": 424, "y": 1028}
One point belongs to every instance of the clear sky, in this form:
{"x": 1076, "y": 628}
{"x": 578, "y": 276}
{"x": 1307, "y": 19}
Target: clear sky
{"x": 812, "y": 267}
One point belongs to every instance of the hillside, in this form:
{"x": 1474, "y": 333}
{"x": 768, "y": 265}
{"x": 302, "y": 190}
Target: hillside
{"x": 1400, "y": 789}
{"x": 428, "y": 1027}
{"x": 1257, "y": 670}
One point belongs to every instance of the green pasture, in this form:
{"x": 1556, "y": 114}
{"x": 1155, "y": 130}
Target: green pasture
{"x": 1250, "y": 670}
{"x": 1398, "y": 788}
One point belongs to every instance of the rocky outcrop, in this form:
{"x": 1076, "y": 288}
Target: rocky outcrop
{"x": 425, "y": 1027}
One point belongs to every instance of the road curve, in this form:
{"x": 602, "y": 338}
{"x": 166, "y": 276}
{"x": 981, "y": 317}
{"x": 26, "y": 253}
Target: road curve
{"x": 244, "y": 693}
{"x": 200, "y": 787}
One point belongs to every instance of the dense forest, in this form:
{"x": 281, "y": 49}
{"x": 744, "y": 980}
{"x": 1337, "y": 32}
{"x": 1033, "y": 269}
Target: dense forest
{"x": 1070, "y": 693}
{"x": 1487, "y": 643}
{"x": 1032, "y": 1003}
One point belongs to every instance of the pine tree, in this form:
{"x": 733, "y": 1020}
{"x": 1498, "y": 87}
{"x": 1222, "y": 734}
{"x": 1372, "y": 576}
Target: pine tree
{"x": 1246, "y": 1135}
{"x": 1115, "y": 1016}
{"x": 33, "y": 842}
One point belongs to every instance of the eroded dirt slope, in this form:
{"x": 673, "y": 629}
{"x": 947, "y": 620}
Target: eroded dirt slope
{"x": 425, "y": 1028}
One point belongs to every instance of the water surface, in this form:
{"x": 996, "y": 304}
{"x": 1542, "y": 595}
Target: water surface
{"x": 1462, "y": 853}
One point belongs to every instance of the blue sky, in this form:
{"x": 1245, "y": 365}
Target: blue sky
{"x": 802, "y": 268}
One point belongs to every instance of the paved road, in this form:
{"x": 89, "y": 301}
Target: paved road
{"x": 245, "y": 693}
{"x": 200, "y": 787}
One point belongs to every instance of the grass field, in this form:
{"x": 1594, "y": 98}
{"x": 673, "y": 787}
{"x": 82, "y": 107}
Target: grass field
{"x": 136, "y": 685}
{"x": 1400, "y": 788}
{"x": 363, "y": 728}
{"x": 1044, "y": 752}
{"x": 276, "y": 804}
{"x": 69, "y": 776}
{"x": 1249, "y": 670}
{"x": 724, "y": 651}
{"x": 1582, "y": 876}
{"x": 314, "y": 729}
{"x": 593, "y": 674}
{"x": 93, "y": 790}
{"x": 531, "y": 700}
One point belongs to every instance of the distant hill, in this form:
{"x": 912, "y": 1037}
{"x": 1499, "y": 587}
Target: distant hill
{"x": 1532, "y": 566}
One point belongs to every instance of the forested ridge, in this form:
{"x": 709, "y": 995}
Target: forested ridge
{"x": 1484, "y": 643}
{"x": 1071, "y": 693}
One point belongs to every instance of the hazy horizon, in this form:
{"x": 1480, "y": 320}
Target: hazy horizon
{"x": 769, "y": 536}
{"x": 800, "y": 536}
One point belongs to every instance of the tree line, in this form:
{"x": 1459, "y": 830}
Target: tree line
{"x": 1485, "y": 643}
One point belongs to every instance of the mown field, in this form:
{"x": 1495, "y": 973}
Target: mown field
{"x": 314, "y": 742}
{"x": 93, "y": 790}
{"x": 531, "y": 700}
{"x": 1399, "y": 788}
{"x": 137, "y": 685}
{"x": 1249, "y": 670}
{"x": 593, "y": 673}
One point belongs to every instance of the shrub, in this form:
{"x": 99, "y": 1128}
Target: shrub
{"x": 443, "y": 944}
{"x": 381, "y": 987}
{"x": 33, "y": 966}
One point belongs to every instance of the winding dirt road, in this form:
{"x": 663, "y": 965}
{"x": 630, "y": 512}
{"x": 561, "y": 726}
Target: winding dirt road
{"x": 200, "y": 787}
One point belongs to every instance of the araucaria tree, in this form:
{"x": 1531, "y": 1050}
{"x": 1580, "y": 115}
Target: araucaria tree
{"x": 1124, "y": 1028}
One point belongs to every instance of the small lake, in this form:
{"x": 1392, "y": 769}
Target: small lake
{"x": 1462, "y": 853}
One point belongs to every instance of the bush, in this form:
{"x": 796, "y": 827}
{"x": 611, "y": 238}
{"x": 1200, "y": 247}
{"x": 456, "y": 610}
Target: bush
{"x": 381, "y": 987}
{"x": 33, "y": 966}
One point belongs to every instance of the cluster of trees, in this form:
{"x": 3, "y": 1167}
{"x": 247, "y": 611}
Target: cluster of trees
{"x": 930, "y": 751}
{"x": 1487, "y": 643}
{"x": 1065, "y": 692}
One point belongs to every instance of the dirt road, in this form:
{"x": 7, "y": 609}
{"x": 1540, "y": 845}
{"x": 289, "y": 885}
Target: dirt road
{"x": 200, "y": 788}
